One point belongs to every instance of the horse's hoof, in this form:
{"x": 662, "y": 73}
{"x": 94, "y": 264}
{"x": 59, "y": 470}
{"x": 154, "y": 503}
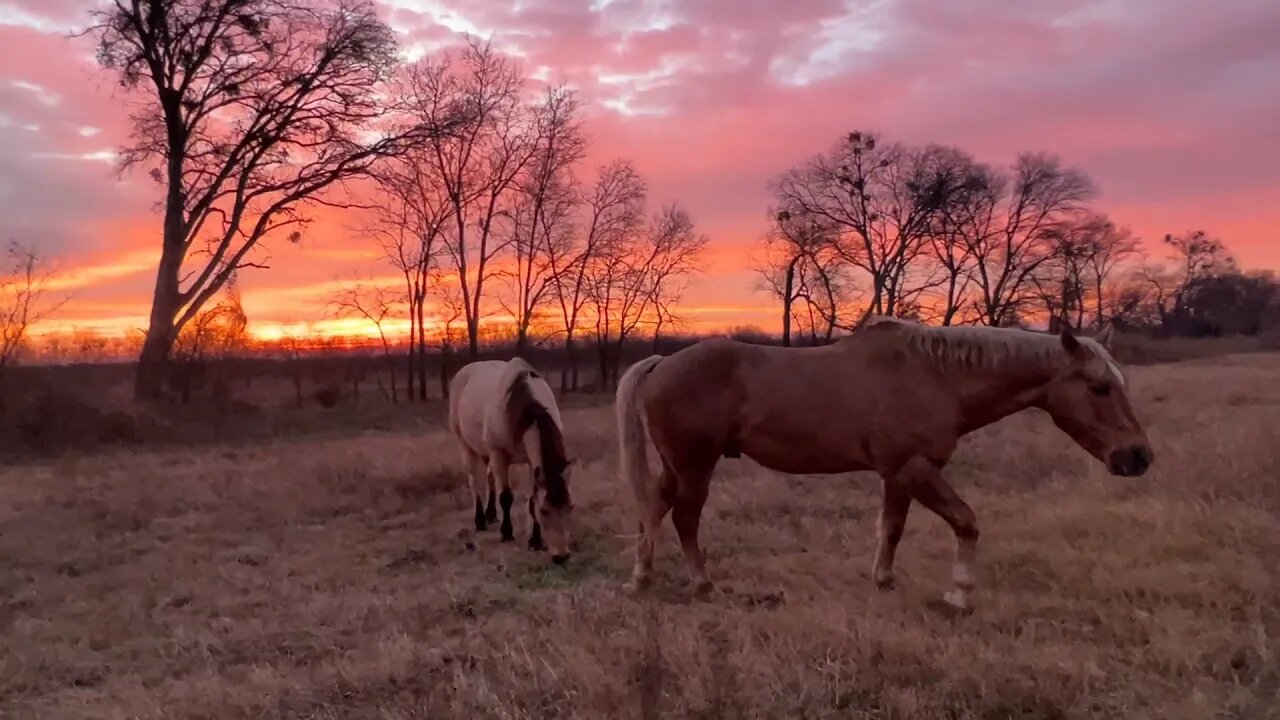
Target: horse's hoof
{"x": 704, "y": 588}
{"x": 958, "y": 601}
{"x": 636, "y": 585}
{"x": 886, "y": 584}
{"x": 508, "y": 538}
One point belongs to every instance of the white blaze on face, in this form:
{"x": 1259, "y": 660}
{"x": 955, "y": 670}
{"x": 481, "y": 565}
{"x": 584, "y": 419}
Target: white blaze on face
{"x": 1115, "y": 370}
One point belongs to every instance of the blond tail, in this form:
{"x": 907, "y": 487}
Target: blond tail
{"x": 632, "y": 436}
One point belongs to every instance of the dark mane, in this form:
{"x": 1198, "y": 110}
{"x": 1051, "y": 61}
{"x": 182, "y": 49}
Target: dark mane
{"x": 525, "y": 412}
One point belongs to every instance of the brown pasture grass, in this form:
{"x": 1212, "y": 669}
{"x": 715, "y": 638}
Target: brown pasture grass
{"x": 333, "y": 578}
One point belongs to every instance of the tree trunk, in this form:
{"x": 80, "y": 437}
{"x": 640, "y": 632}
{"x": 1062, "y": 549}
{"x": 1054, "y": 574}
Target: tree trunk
{"x": 411, "y": 367}
{"x": 570, "y": 369}
{"x": 155, "y": 358}
{"x": 422, "y": 351}
{"x": 153, "y": 363}
{"x": 604, "y": 366}
{"x": 444, "y": 371}
{"x": 786, "y": 302}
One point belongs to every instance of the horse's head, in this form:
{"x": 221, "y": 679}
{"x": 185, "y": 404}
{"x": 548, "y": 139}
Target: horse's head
{"x": 552, "y": 508}
{"x": 1089, "y": 400}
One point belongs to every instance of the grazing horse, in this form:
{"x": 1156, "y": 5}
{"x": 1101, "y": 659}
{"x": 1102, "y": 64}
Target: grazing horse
{"x": 503, "y": 414}
{"x": 894, "y": 396}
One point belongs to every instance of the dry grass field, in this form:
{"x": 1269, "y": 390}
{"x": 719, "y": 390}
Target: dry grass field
{"x": 333, "y": 578}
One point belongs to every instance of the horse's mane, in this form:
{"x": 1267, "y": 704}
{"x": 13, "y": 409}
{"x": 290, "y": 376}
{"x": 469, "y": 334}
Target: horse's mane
{"x": 964, "y": 347}
{"x": 524, "y": 412}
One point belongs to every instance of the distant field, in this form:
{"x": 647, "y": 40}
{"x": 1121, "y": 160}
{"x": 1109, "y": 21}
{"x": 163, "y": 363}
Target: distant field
{"x": 329, "y": 577}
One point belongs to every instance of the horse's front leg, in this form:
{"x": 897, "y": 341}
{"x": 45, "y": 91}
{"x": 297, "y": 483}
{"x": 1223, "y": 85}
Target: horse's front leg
{"x": 893, "y": 519}
{"x": 500, "y": 469}
{"x": 927, "y": 486}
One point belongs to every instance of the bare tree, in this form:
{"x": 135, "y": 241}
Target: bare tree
{"x": 881, "y": 199}
{"x": 1112, "y": 247}
{"x": 24, "y": 300}
{"x": 478, "y": 165}
{"x": 377, "y": 305}
{"x": 1018, "y": 235}
{"x": 802, "y": 268}
{"x": 547, "y": 198}
{"x": 615, "y": 213}
{"x": 409, "y": 221}
{"x": 635, "y": 275}
{"x": 971, "y": 199}
{"x": 252, "y": 110}
{"x": 216, "y": 333}
{"x": 675, "y": 254}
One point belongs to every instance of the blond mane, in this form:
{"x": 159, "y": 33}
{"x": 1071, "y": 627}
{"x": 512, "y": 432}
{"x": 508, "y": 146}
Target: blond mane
{"x": 965, "y": 347}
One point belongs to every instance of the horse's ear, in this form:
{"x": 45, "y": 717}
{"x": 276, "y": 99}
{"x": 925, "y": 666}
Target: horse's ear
{"x": 1069, "y": 342}
{"x": 1104, "y": 335}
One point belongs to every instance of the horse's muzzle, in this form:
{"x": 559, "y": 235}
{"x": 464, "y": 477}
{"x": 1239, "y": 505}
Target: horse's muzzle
{"x": 1130, "y": 461}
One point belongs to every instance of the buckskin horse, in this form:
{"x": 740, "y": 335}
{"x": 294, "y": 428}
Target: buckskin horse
{"x": 894, "y": 397}
{"x": 503, "y": 414}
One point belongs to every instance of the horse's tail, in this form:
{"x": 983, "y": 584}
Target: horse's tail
{"x": 632, "y": 434}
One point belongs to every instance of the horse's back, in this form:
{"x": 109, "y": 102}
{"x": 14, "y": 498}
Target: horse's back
{"x": 831, "y": 408}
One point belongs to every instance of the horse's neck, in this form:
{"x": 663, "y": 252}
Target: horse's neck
{"x": 990, "y": 395}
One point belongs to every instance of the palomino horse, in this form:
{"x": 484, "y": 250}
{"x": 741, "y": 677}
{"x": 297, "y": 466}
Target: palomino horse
{"x": 894, "y": 397}
{"x": 503, "y": 414}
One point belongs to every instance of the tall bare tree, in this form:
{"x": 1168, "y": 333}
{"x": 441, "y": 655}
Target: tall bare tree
{"x": 1010, "y": 242}
{"x": 479, "y": 164}
{"x": 881, "y": 198}
{"x": 802, "y": 268}
{"x": 614, "y": 213}
{"x": 635, "y": 275}
{"x": 543, "y": 212}
{"x": 376, "y": 304}
{"x": 409, "y": 221}
{"x": 251, "y": 109}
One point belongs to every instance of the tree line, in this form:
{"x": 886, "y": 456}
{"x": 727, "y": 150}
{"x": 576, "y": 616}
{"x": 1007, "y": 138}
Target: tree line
{"x": 928, "y": 232}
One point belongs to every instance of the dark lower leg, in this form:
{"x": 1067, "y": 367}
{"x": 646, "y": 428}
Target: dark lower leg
{"x": 491, "y": 512}
{"x": 535, "y": 534}
{"x": 505, "y": 499}
{"x": 893, "y": 519}
{"x": 480, "y": 523}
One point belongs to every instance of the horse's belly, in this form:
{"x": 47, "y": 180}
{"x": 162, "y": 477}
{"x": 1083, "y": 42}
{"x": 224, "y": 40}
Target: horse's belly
{"x": 802, "y": 458}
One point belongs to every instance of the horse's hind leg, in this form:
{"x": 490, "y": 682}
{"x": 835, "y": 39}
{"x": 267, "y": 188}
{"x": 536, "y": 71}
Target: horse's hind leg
{"x": 686, "y": 516}
{"x": 491, "y": 510}
{"x": 477, "y": 474}
{"x": 926, "y": 483}
{"x": 893, "y": 518}
{"x": 652, "y": 506}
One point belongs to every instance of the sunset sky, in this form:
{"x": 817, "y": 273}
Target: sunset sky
{"x": 1171, "y": 106}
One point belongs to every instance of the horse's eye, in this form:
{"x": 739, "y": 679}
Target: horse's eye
{"x": 1100, "y": 389}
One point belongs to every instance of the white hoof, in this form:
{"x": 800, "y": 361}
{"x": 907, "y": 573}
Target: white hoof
{"x": 957, "y": 599}
{"x": 635, "y": 585}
